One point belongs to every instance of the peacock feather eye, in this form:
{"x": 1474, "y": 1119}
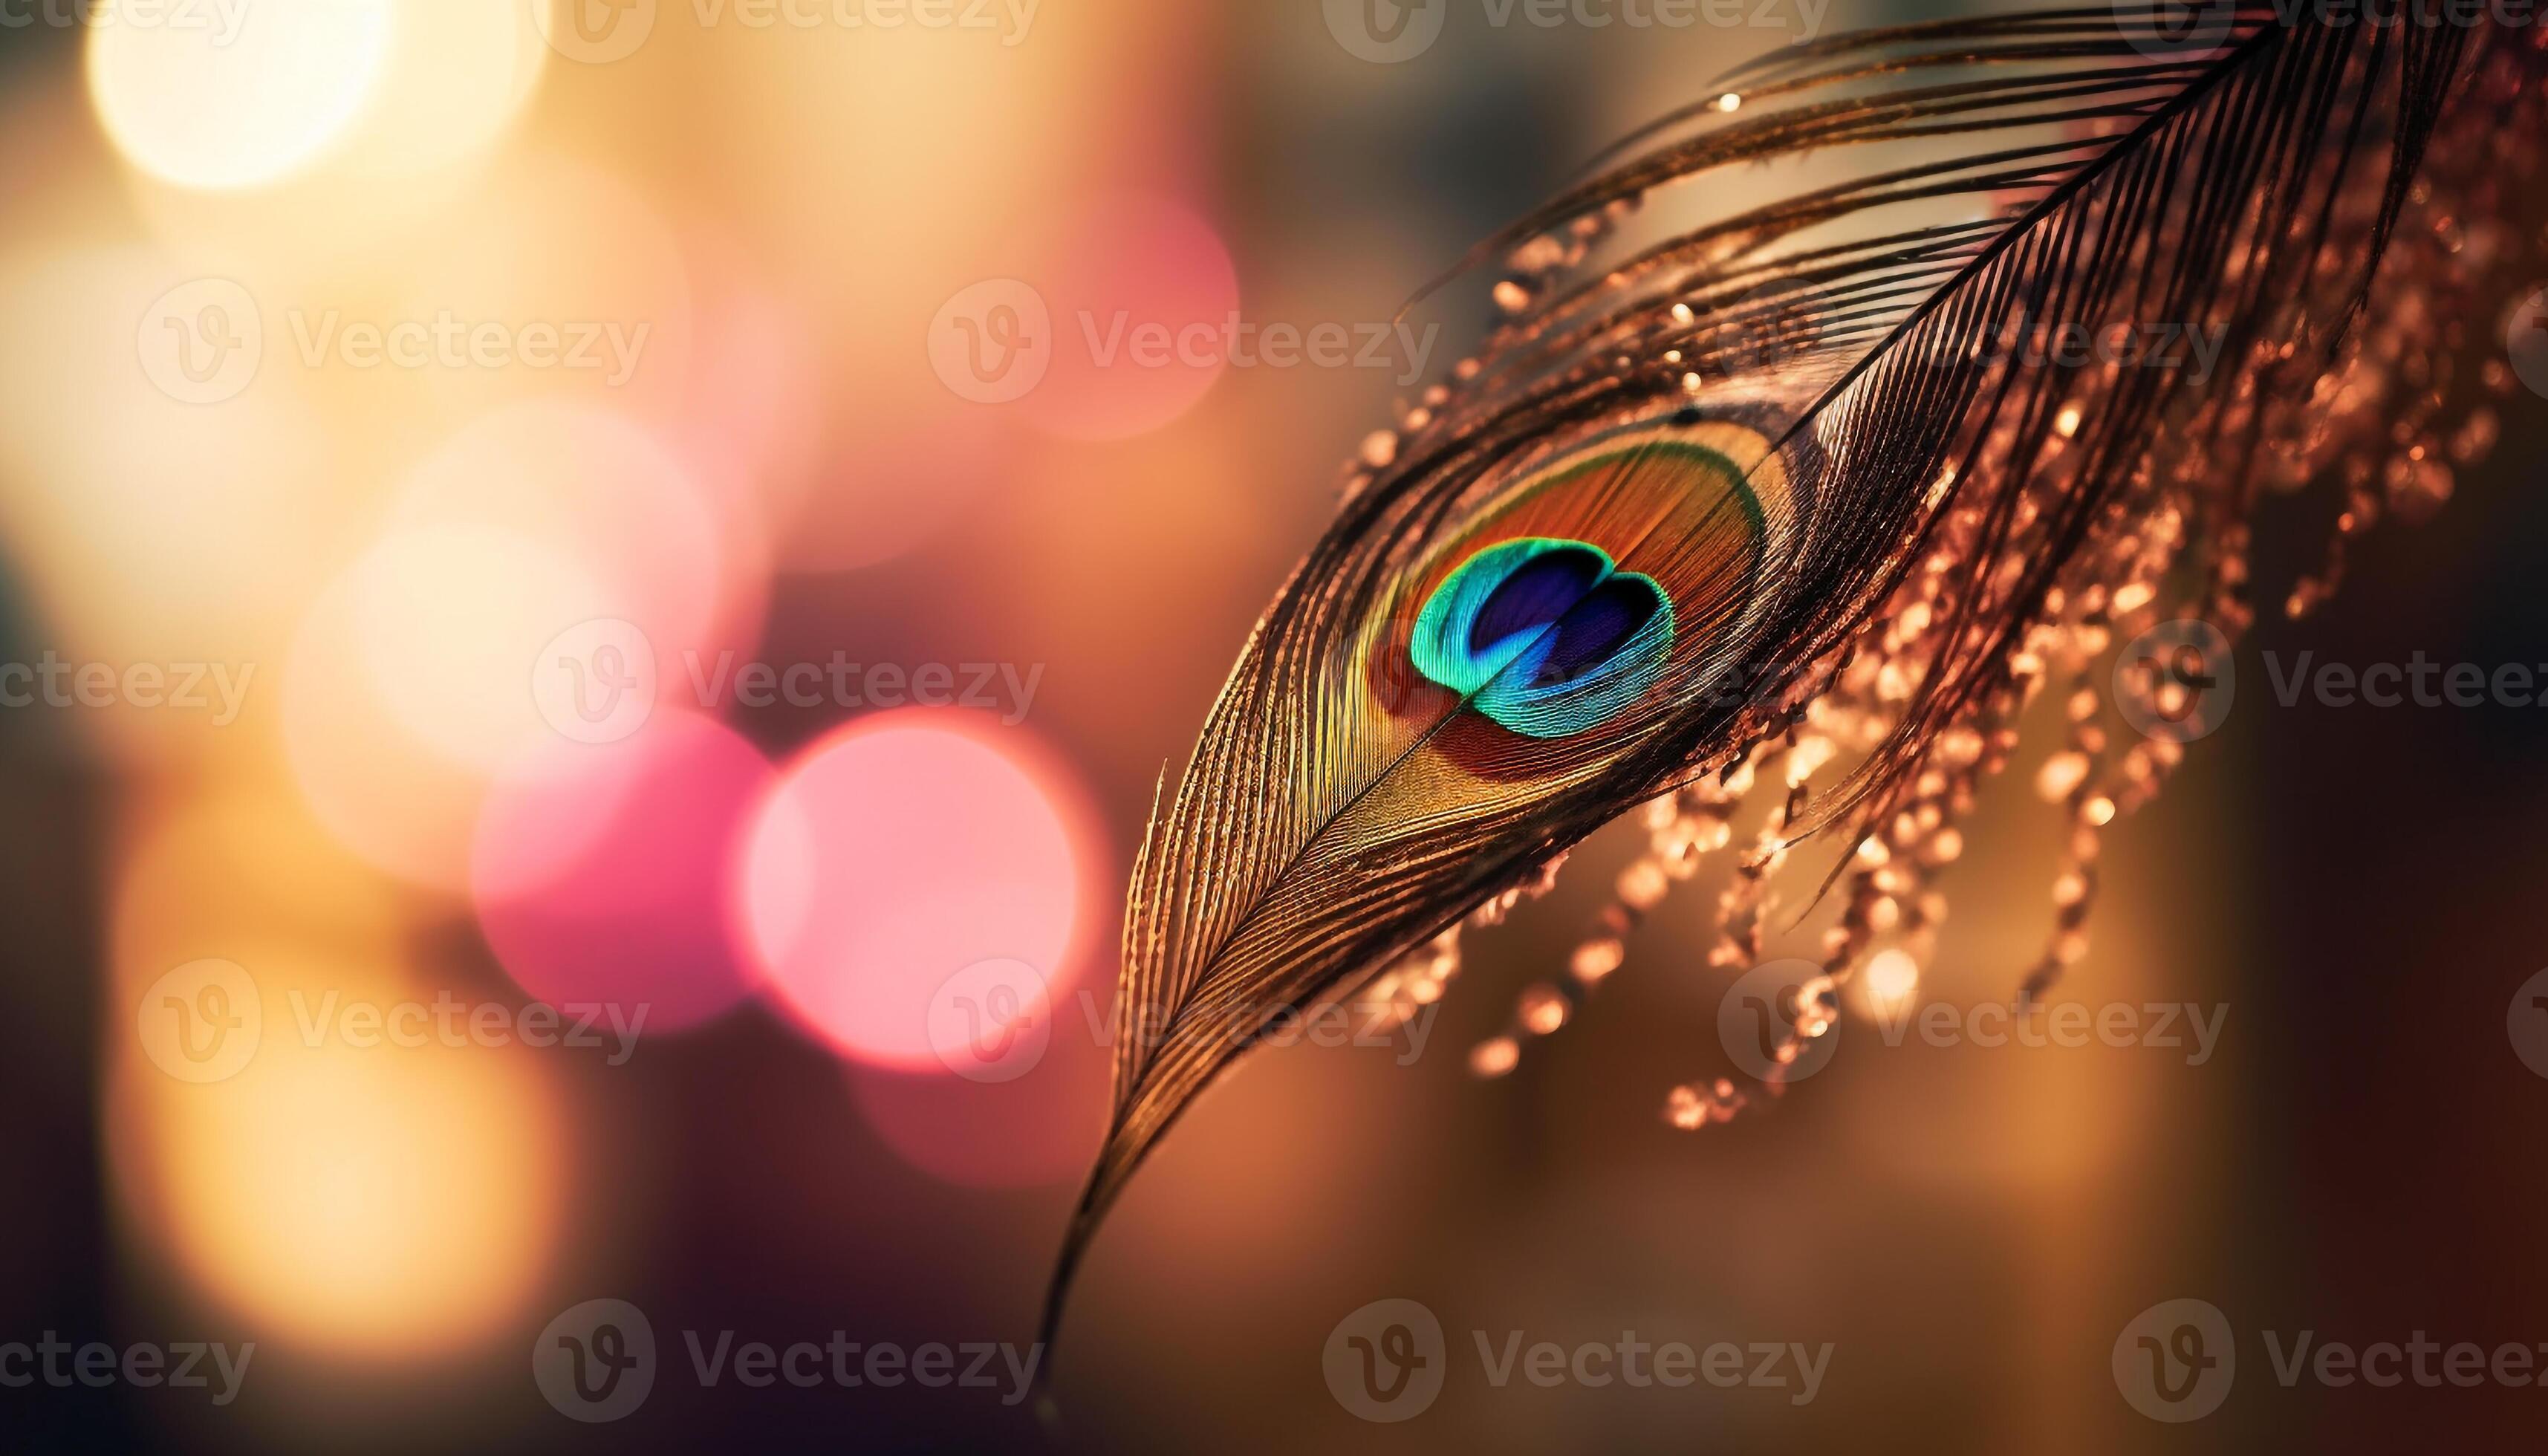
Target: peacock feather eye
{"x": 1622, "y": 570}
{"x": 1544, "y": 635}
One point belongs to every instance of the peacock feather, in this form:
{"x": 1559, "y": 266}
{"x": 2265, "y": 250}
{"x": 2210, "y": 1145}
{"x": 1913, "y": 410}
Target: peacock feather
{"x": 1809, "y": 501}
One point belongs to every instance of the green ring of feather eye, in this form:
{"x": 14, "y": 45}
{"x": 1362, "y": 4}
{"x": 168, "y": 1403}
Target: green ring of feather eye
{"x": 1500, "y": 679}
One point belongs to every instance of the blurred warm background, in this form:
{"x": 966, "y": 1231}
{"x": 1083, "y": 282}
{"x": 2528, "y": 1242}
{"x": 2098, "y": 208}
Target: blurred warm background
{"x": 755, "y": 229}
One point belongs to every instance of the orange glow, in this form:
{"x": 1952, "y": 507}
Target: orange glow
{"x": 449, "y": 623}
{"x": 378, "y": 789}
{"x": 146, "y": 526}
{"x": 1891, "y": 980}
{"x": 458, "y": 72}
{"x": 235, "y": 865}
{"x": 378, "y": 1203}
{"x": 595, "y": 487}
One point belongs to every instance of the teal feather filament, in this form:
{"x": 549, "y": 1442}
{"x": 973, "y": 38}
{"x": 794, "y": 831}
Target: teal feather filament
{"x": 1544, "y": 635}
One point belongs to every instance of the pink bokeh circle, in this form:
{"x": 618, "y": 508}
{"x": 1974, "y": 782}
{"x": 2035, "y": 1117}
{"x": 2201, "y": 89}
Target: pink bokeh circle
{"x": 892, "y": 854}
{"x": 600, "y": 871}
{"x": 1141, "y": 297}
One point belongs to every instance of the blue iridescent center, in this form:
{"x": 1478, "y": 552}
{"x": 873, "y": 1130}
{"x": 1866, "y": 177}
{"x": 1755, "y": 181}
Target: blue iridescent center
{"x": 1544, "y": 635}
